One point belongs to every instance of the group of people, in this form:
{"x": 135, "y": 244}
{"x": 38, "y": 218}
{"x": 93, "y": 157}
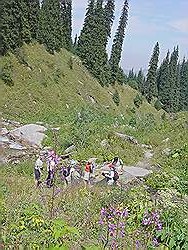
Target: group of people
{"x": 70, "y": 170}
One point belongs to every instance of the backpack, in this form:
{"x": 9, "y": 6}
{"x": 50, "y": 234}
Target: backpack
{"x": 66, "y": 171}
{"x": 116, "y": 175}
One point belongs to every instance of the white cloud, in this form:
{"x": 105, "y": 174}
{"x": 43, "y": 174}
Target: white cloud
{"x": 180, "y": 25}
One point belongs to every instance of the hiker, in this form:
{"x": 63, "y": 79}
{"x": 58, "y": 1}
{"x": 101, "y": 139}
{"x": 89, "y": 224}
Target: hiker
{"x": 89, "y": 168}
{"x": 51, "y": 168}
{"x": 117, "y": 163}
{"x": 70, "y": 174}
{"x": 37, "y": 170}
{"x": 112, "y": 176}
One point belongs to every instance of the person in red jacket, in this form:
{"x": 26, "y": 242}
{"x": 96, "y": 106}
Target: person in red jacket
{"x": 88, "y": 171}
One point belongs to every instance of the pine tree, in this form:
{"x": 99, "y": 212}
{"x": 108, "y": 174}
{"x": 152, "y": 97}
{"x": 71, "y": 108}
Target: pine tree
{"x": 33, "y": 17}
{"x": 108, "y": 20}
{"x": 118, "y": 42}
{"x": 86, "y": 38}
{"x": 163, "y": 83}
{"x": 174, "y": 84}
{"x": 10, "y": 15}
{"x": 140, "y": 80}
{"x": 66, "y": 22}
{"x": 25, "y": 32}
{"x": 184, "y": 86}
{"x": 50, "y": 30}
{"x": 150, "y": 88}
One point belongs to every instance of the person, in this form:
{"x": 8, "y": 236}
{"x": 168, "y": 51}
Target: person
{"x": 117, "y": 163}
{"x": 50, "y": 168}
{"x": 112, "y": 176}
{"x": 88, "y": 171}
{"x": 37, "y": 170}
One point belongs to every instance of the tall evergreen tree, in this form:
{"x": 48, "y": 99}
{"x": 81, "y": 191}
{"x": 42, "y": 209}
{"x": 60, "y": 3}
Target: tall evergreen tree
{"x": 150, "y": 88}
{"x": 116, "y": 52}
{"x": 33, "y": 17}
{"x": 66, "y": 22}
{"x": 25, "y": 32}
{"x": 50, "y": 31}
{"x": 174, "y": 84}
{"x": 163, "y": 83}
{"x": 140, "y": 81}
{"x": 184, "y": 85}
{"x": 10, "y": 15}
{"x": 86, "y": 38}
{"x": 108, "y": 19}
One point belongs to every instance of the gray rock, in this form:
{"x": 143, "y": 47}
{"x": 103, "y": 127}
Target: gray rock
{"x": 128, "y": 138}
{"x": 146, "y": 146}
{"x": 4, "y": 131}
{"x": 16, "y": 146}
{"x": 33, "y": 134}
{"x": 70, "y": 149}
{"x": 148, "y": 154}
{"x": 4, "y": 139}
{"x": 136, "y": 171}
{"x": 166, "y": 151}
{"x": 104, "y": 143}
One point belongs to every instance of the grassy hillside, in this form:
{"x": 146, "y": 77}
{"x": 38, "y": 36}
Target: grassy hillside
{"x": 46, "y": 87}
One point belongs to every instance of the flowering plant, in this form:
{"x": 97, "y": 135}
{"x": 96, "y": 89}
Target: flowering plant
{"x": 113, "y": 223}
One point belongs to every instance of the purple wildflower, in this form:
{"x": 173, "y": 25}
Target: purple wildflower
{"x": 146, "y": 221}
{"x": 57, "y": 191}
{"x": 155, "y": 242}
{"x": 124, "y": 213}
{"x": 137, "y": 244}
{"x": 159, "y": 226}
{"x": 101, "y": 222}
{"x": 103, "y": 212}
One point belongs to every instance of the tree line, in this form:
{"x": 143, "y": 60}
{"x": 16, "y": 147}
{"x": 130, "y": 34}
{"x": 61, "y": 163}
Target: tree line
{"x": 166, "y": 84}
{"x": 50, "y": 23}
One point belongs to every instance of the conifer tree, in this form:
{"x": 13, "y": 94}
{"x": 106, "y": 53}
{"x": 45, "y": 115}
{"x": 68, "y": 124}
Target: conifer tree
{"x": 184, "y": 86}
{"x": 108, "y": 20}
{"x": 86, "y": 38}
{"x": 33, "y": 17}
{"x": 140, "y": 81}
{"x": 9, "y": 26}
{"x": 150, "y": 88}
{"x": 116, "y": 52}
{"x": 23, "y": 21}
{"x": 50, "y": 31}
{"x": 174, "y": 84}
{"x": 66, "y": 22}
{"x": 163, "y": 83}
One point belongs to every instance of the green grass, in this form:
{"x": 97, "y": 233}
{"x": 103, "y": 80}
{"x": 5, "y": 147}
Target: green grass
{"x": 46, "y": 87}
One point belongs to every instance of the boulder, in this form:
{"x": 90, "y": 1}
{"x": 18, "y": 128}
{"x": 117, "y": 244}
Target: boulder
{"x": 128, "y": 138}
{"x": 32, "y": 134}
{"x": 70, "y": 149}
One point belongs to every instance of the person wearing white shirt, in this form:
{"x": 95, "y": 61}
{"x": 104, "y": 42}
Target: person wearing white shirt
{"x": 37, "y": 170}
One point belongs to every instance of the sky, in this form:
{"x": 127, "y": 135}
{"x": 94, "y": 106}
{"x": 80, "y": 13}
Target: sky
{"x": 150, "y": 21}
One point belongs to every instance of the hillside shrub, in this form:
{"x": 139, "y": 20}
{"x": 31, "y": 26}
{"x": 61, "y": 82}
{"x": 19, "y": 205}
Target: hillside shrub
{"x": 6, "y": 74}
{"x": 158, "y": 105}
{"x": 138, "y": 100}
{"x": 116, "y": 98}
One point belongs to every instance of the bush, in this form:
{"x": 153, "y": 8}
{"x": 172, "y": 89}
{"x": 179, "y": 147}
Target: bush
{"x": 138, "y": 100}
{"x": 158, "y": 105}
{"x": 6, "y": 74}
{"x": 116, "y": 98}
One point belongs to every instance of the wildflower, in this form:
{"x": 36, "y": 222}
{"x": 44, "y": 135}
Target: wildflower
{"x": 103, "y": 212}
{"x": 159, "y": 226}
{"x": 124, "y": 213}
{"x": 101, "y": 222}
{"x": 155, "y": 242}
{"x": 146, "y": 221}
{"x": 137, "y": 244}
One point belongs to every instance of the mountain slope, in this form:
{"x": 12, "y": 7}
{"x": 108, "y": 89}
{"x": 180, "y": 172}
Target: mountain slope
{"x": 49, "y": 86}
